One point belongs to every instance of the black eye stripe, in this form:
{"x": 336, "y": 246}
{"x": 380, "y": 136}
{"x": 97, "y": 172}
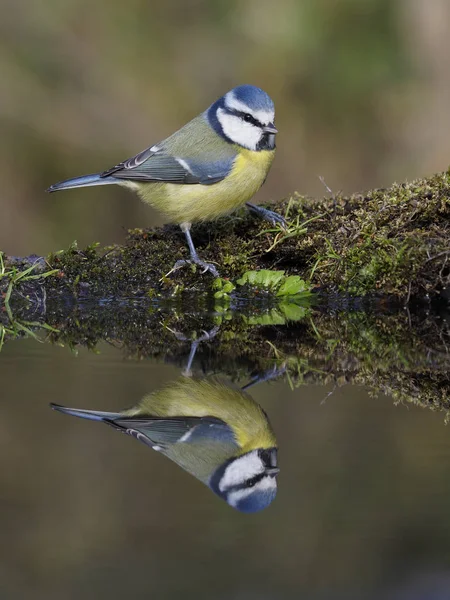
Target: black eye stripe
{"x": 248, "y": 483}
{"x": 248, "y": 118}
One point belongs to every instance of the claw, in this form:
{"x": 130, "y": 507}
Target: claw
{"x": 268, "y": 215}
{"x": 269, "y": 375}
{"x": 201, "y": 263}
{"x": 209, "y": 335}
{"x": 275, "y": 218}
{"x": 180, "y": 336}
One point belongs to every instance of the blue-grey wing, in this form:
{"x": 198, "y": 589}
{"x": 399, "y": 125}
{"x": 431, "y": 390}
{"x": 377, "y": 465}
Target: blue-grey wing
{"x": 193, "y": 155}
{"x": 160, "y": 166}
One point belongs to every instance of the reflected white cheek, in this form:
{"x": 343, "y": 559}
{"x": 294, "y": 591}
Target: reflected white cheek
{"x": 239, "y": 131}
{"x": 241, "y": 470}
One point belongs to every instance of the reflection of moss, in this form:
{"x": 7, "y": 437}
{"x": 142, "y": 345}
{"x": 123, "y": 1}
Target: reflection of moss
{"x": 400, "y": 353}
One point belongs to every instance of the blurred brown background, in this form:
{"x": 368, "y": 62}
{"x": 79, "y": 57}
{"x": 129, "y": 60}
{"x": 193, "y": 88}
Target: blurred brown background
{"x": 361, "y": 87}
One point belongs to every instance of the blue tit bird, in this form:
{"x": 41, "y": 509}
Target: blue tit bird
{"x": 206, "y": 169}
{"x": 218, "y": 434}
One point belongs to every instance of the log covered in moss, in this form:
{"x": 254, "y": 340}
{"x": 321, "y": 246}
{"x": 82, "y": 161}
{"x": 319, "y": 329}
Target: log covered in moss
{"x": 393, "y": 242}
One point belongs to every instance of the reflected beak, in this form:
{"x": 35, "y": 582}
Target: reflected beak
{"x": 272, "y": 471}
{"x": 270, "y": 128}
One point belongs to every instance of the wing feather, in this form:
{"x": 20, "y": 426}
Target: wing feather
{"x": 193, "y": 155}
{"x": 157, "y": 167}
{"x": 131, "y": 163}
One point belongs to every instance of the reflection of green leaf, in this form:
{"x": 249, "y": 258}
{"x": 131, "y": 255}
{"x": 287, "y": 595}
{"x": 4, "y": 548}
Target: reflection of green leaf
{"x": 293, "y": 285}
{"x": 285, "y": 311}
{"x": 224, "y": 287}
{"x": 272, "y": 317}
{"x": 292, "y": 311}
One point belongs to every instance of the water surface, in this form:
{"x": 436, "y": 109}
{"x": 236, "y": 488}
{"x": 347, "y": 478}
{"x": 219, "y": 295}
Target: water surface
{"x": 363, "y": 489}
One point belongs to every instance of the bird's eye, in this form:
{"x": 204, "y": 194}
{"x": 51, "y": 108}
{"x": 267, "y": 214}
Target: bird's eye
{"x": 248, "y": 118}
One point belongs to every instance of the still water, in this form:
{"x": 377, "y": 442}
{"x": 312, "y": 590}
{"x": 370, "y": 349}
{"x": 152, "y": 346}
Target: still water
{"x": 359, "y": 509}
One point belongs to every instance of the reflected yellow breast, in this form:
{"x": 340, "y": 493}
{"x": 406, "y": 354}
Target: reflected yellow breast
{"x": 187, "y": 397}
{"x": 196, "y": 202}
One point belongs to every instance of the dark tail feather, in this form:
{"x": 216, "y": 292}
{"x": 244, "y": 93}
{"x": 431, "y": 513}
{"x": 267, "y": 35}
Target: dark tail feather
{"x": 84, "y": 181}
{"x": 93, "y": 415}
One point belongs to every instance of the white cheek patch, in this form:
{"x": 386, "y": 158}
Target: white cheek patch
{"x": 241, "y": 470}
{"x": 263, "y": 116}
{"x": 239, "y": 131}
{"x": 267, "y": 484}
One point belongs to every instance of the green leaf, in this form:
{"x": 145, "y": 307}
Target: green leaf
{"x": 263, "y": 278}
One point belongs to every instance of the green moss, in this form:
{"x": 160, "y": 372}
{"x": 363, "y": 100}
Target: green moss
{"x": 392, "y": 241}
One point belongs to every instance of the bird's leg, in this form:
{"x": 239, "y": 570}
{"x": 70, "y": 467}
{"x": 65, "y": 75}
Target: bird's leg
{"x": 207, "y": 335}
{"x": 266, "y": 376}
{"x": 185, "y": 228}
{"x": 266, "y": 214}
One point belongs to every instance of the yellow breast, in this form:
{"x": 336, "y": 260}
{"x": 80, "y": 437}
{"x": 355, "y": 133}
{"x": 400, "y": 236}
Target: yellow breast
{"x": 196, "y": 202}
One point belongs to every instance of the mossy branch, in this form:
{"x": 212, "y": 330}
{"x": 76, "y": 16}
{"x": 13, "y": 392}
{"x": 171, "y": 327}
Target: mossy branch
{"x": 393, "y": 242}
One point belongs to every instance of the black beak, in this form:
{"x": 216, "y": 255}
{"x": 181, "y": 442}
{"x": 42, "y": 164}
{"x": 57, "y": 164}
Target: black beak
{"x": 270, "y": 128}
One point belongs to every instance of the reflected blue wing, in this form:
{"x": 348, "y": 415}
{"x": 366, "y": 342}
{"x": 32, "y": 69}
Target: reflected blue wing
{"x": 165, "y": 432}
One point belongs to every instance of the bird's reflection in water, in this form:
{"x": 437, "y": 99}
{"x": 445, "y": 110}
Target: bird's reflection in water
{"x": 217, "y": 433}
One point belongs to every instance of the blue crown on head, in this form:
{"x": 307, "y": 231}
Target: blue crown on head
{"x": 254, "y": 97}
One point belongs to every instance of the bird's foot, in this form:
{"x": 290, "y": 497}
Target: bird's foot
{"x": 206, "y": 337}
{"x": 268, "y": 215}
{"x": 195, "y": 261}
{"x": 195, "y": 342}
{"x": 269, "y": 375}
